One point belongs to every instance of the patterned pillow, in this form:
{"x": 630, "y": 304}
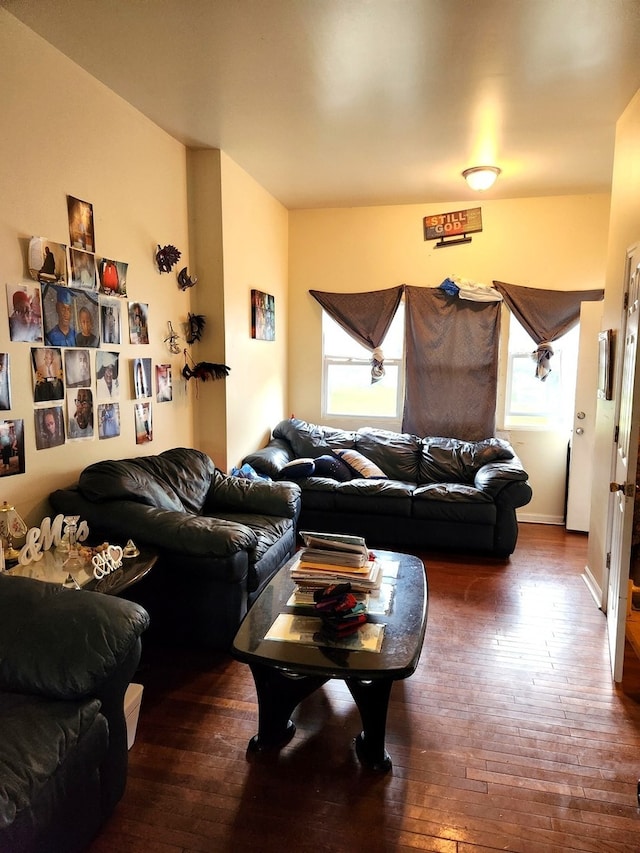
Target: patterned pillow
{"x": 297, "y": 469}
{"x": 360, "y": 465}
{"x": 332, "y": 467}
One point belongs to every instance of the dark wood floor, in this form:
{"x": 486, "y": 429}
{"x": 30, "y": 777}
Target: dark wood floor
{"x": 509, "y": 736}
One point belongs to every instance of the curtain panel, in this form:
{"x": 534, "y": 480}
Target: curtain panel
{"x": 451, "y": 365}
{"x": 365, "y": 316}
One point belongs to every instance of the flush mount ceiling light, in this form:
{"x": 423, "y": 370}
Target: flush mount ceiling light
{"x": 481, "y": 177}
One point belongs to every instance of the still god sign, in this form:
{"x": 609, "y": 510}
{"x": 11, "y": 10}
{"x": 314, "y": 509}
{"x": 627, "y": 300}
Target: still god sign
{"x": 452, "y": 224}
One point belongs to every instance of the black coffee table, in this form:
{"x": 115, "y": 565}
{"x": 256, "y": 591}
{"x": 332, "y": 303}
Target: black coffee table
{"x": 285, "y": 672}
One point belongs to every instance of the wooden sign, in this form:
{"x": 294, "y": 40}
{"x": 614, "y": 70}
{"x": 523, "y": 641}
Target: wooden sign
{"x": 457, "y": 223}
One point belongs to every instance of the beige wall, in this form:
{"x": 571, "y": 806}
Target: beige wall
{"x": 543, "y": 242}
{"x": 64, "y": 133}
{"x": 624, "y": 231}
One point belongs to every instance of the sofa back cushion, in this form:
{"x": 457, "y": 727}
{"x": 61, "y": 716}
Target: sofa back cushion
{"x": 451, "y": 460}
{"x": 311, "y": 440}
{"x": 177, "y": 479}
{"x": 397, "y": 454}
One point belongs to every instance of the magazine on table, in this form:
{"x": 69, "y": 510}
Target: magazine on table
{"x": 307, "y": 630}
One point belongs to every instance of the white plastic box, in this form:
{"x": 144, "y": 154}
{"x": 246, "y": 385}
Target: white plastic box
{"x": 132, "y": 700}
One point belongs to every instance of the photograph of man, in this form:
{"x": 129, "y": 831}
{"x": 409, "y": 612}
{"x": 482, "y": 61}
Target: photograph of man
{"x": 142, "y": 377}
{"x": 63, "y": 333}
{"x": 49, "y": 427}
{"x": 85, "y": 336}
{"x": 108, "y": 420}
{"x": 81, "y": 414}
{"x": 110, "y": 321}
{"x": 77, "y": 368}
{"x": 138, "y": 331}
{"x": 47, "y": 261}
{"x": 24, "y": 323}
{"x": 107, "y": 385}
{"x": 48, "y": 376}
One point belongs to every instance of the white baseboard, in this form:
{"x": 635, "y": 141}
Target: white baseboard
{"x": 536, "y": 518}
{"x": 593, "y": 586}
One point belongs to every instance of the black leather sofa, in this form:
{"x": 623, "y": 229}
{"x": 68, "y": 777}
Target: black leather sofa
{"x": 404, "y": 491}
{"x": 66, "y": 659}
{"x": 219, "y": 538}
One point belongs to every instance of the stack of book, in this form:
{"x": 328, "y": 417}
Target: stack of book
{"x": 333, "y": 558}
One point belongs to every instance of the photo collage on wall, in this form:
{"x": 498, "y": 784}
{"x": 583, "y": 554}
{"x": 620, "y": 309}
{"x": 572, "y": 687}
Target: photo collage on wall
{"x": 72, "y": 312}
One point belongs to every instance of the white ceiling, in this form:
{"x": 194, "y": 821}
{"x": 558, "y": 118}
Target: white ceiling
{"x": 354, "y": 102}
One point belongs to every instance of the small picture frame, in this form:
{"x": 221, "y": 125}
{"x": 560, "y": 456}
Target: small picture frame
{"x": 263, "y": 316}
{"x": 605, "y": 364}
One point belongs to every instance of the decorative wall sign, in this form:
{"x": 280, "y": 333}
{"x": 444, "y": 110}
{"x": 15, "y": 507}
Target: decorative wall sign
{"x": 453, "y": 227}
{"x": 263, "y": 316}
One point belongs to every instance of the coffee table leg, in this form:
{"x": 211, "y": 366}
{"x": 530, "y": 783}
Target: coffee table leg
{"x": 372, "y": 699}
{"x": 278, "y": 694}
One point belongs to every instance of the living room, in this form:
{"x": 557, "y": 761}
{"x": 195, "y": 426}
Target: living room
{"x": 68, "y": 134}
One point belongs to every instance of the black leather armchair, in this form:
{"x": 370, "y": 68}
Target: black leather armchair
{"x": 66, "y": 659}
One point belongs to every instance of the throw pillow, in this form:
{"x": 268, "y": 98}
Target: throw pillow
{"x": 332, "y": 467}
{"x": 297, "y": 469}
{"x": 361, "y": 466}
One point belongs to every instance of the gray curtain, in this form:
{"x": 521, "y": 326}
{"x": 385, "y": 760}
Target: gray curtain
{"x": 546, "y": 314}
{"x": 452, "y": 365}
{"x": 365, "y": 316}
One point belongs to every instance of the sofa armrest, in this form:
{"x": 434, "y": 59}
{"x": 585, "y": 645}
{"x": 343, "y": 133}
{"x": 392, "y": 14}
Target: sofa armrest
{"x": 60, "y": 643}
{"x": 253, "y": 496}
{"x": 270, "y": 460}
{"x": 499, "y": 478}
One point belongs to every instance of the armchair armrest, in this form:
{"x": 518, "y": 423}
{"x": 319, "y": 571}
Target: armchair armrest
{"x": 247, "y": 496}
{"x": 63, "y": 644}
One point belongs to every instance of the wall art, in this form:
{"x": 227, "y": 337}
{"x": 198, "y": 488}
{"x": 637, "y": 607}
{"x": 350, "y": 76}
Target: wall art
{"x": 5, "y": 382}
{"x": 77, "y": 368}
{"x": 143, "y": 423}
{"x": 81, "y": 233}
{"x": 141, "y": 377}
{"x": 25, "y": 313}
{"x": 113, "y": 277}
{"x": 110, "y": 321}
{"x": 108, "y": 420}
{"x": 107, "y": 369}
{"x": 80, "y": 414}
{"x": 49, "y": 425}
{"x": 138, "y": 323}
{"x": 48, "y": 374}
{"x": 83, "y": 270}
{"x": 263, "y": 316}
{"x": 164, "y": 383}
{"x": 47, "y": 261}
{"x": 11, "y": 447}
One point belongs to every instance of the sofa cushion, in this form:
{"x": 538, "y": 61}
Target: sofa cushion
{"x": 453, "y": 502}
{"x": 360, "y": 465}
{"x": 296, "y": 469}
{"x": 333, "y": 467}
{"x": 375, "y": 497}
{"x": 177, "y": 479}
{"x": 397, "y": 454}
{"x": 451, "y": 460}
{"x": 312, "y": 440}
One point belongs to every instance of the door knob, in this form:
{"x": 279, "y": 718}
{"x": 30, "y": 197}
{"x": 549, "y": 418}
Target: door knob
{"x": 580, "y": 431}
{"x": 629, "y": 489}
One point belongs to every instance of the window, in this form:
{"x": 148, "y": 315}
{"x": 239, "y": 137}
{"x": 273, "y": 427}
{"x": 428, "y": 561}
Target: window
{"x": 529, "y": 401}
{"x": 346, "y": 374}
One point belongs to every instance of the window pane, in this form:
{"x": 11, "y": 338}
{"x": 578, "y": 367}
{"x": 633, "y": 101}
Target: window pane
{"x": 349, "y": 390}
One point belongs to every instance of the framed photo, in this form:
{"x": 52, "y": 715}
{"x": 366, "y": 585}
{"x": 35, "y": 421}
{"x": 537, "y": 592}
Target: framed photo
{"x": 49, "y": 427}
{"x": 113, "y": 277}
{"x": 142, "y": 377}
{"x": 47, "y": 261}
{"x": 263, "y": 316}
{"x": 11, "y": 447}
{"x": 605, "y": 364}
{"x": 81, "y": 234}
{"x": 164, "y": 386}
{"x": 108, "y": 420}
{"x": 110, "y": 321}
{"x": 138, "y": 320}
{"x": 25, "y": 313}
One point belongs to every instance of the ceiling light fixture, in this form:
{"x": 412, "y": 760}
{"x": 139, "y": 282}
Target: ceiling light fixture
{"x": 481, "y": 177}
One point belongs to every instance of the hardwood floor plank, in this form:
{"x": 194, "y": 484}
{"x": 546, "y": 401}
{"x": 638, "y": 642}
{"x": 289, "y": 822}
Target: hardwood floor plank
{"x": 509, "y": 736}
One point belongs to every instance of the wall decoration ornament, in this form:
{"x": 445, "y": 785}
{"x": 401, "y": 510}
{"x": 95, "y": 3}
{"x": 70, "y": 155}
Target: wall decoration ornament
{"x": 185, "y": 280}
{"x": 172, "y": 340}
{"x": 195, "y": 325}
{"x": 167, "y": 257}
{"x": 203, "y": 370}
